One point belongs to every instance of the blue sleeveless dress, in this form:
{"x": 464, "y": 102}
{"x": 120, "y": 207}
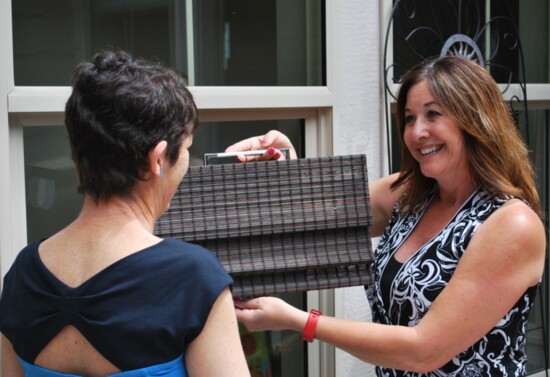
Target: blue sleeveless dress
{"x": 415, "y": 284}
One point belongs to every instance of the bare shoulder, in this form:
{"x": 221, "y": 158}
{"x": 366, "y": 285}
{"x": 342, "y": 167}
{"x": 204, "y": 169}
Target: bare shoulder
{"x": 513, "y": 236}
{"x": 518, "y": 219}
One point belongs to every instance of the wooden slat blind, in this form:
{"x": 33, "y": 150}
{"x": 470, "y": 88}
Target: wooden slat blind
{"x": 279, "y": 226}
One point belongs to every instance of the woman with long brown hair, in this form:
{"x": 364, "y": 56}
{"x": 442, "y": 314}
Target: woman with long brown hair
{"x": 462, "y": 245}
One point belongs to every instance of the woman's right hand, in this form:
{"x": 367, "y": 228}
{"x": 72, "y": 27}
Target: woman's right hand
{"x": 271, "y": 142}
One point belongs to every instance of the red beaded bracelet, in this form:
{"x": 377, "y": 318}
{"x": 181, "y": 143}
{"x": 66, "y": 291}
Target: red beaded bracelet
{"x": 311, "y": 324}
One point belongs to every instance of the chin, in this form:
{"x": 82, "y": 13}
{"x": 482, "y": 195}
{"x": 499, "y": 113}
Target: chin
{"x": 428, "y": 173}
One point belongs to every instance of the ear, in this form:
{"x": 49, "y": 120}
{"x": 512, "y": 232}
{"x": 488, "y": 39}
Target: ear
{"x": 157, "y": 158}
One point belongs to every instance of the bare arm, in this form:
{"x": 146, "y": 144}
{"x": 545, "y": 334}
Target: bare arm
{"x": 10, "y": 363}
{"x": 217, "y": 351}
{"x": 382, "y": 200}
{"x": 503, "y": 259}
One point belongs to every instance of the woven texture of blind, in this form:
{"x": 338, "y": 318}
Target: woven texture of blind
{"x": 279, "y": 226}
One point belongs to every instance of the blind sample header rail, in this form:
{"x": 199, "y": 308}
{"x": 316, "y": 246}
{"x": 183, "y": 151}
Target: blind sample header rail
{"x": 279, "y": 226}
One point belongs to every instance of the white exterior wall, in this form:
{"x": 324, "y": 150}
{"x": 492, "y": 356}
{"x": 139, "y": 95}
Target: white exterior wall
{"x": 357, "y": 126}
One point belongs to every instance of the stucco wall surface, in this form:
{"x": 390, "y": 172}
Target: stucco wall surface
{"x": 357, "y": 127}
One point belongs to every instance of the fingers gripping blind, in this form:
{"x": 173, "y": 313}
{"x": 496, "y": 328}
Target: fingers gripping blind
{"x": 279, "y": 226}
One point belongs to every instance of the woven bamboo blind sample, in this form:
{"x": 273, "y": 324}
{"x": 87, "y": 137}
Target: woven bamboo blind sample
{"x": 279, "y": 226}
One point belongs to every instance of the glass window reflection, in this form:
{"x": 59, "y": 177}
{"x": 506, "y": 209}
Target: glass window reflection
{"x": 211, "y": 42}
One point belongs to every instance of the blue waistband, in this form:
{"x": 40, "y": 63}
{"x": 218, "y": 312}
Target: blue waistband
{"x": 174, "y": 368}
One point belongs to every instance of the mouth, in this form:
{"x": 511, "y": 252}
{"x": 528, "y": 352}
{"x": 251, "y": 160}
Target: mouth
{"x": 430, "y": 150}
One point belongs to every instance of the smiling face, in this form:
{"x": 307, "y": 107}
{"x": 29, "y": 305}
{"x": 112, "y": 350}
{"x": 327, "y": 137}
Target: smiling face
{"x": 433, "y": 139}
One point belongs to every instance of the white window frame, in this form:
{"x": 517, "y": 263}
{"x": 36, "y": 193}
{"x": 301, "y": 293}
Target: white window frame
{"x": 42, "y": 106}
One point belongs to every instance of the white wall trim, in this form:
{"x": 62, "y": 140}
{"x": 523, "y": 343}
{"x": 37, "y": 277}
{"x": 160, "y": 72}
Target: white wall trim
{"x": 27, "y": 99}
{"x": 7, "y": 243}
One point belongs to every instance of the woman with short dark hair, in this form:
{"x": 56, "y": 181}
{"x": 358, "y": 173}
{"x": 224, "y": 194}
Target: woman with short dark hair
{"x": 104, "y": 296}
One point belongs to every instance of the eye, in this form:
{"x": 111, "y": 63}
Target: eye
{"x": 409, "y": 119}
{"x": 433, "y": 114}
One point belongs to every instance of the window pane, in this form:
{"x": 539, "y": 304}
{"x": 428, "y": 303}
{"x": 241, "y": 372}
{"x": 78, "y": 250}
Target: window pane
{"x": 536, "y": 133}
{"x": 533, "y": 26}
{"x": 276, "y": 353}
{"x": 217, "y": 136}
{"x": 50, "y": 181}
{"x": 505, "y": 35}
{"x": 211, "y": 42}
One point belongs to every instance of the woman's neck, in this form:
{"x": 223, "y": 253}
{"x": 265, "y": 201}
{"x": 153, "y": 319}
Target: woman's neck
{"x": 117, "y": 212}
{"x": 457, "y": 194}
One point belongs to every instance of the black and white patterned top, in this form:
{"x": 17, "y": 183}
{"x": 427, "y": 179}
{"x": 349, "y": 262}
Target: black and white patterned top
{"x": 418, "y": 282}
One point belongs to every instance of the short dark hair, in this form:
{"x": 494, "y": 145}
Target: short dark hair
{"x": 119, "y": 109}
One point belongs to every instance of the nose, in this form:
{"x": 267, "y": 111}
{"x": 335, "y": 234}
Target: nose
{"x": 419, "y": 130}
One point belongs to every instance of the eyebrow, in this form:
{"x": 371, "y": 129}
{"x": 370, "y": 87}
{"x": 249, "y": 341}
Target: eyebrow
{"x": 425, "y": 105}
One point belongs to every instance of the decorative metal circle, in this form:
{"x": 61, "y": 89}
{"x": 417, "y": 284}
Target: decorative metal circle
{"x": 462, "y": 45}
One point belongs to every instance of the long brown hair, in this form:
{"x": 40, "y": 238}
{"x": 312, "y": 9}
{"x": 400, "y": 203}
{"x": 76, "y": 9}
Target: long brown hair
{"x": 498, "y": 157}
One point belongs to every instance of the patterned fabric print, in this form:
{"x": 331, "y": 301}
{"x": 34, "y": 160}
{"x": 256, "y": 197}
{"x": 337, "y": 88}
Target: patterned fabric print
{"x": 421, "y": 279}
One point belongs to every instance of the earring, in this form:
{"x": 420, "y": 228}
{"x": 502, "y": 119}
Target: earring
{"x": 160, "y": 173}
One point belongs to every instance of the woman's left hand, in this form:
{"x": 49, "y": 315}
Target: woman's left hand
{"x": 270, "y": 313}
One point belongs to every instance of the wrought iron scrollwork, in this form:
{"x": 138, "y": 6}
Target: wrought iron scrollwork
{"x": 481, "y": 30}
{"x": 462, "y": 45}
